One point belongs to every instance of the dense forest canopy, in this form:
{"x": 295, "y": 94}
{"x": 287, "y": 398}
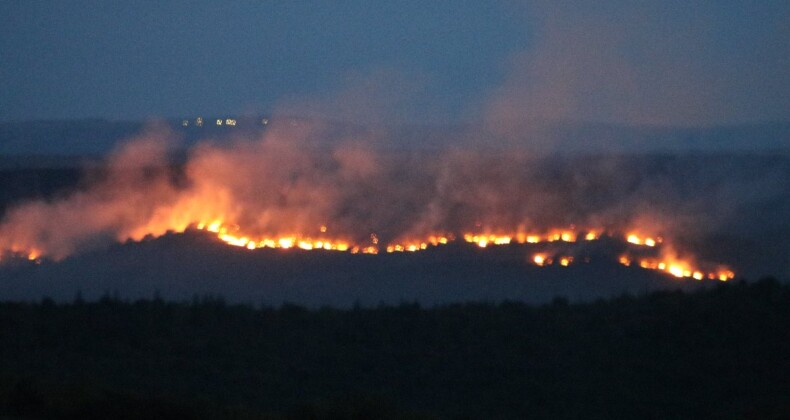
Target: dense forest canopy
{"x": 720, "y": 352}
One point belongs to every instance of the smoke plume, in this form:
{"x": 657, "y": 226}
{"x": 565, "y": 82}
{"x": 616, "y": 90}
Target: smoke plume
{"x": 299, "y": 178}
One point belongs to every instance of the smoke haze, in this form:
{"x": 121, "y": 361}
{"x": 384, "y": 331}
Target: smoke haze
{"x": 669, "y": 63}
{"x": 290, "y": 180}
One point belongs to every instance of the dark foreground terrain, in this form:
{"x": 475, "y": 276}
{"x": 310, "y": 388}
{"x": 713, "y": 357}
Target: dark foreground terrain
{"x": 721, "y": 352}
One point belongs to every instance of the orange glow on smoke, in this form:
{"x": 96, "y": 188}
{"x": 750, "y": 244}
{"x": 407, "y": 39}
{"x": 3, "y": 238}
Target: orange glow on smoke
{"x": 278, "y": 192}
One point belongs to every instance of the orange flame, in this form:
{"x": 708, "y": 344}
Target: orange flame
{"x": 643, "y": 240}
{"x": 231, "y": 235}
{"x": 680, "y": 268}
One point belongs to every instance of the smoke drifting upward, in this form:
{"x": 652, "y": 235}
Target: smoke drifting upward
{"x": 134, "y": 188}
{"x": 659, "y": 63}
{"x": 291, "y": 182}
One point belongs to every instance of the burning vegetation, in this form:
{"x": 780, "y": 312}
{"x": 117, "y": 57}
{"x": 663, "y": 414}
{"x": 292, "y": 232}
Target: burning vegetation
{"x": 664, "y": 261}
{"x": 286, "y": 190}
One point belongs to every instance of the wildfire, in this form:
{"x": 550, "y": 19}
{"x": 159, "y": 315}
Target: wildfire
{"x": 624, "y": 260}
{"x": 592, "y": 235}
{"x": 32, "y": 254}
{"x": 672, "y": 266}
{"x": 284, "y": 242}
{"x": 639, "y": 240}
{"x": 667, "y": 263}
{"x": 543, "y": 259}
{"x": 680, "y": 269}
{"x": 417, "y": 245}
{"x": 484, "y": 240}
{"x": 554, "y": 235}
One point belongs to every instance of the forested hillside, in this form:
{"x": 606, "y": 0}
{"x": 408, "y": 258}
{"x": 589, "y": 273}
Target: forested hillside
{"x": 719, "y": 353}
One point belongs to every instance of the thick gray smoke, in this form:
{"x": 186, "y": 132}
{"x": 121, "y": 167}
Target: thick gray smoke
{"x": 292, "y": 180}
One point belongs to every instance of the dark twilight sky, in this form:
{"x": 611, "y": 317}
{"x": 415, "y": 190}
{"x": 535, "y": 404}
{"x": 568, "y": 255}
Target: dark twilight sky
{"x": 638, "y": 62}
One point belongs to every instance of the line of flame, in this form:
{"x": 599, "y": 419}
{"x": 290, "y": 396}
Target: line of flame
{"x": 673, "y": 266}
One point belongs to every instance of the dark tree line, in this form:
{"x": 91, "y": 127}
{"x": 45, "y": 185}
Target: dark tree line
{"x": 719, "y": 353}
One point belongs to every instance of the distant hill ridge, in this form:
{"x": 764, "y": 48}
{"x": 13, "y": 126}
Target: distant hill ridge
{"x": 61, "y": 140}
